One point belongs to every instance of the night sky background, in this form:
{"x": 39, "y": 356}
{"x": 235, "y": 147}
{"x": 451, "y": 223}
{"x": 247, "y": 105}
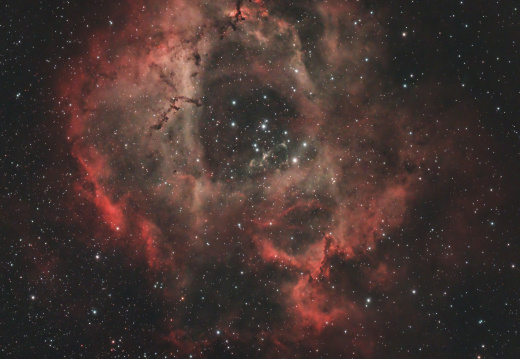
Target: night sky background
{"x": 260, "y": 179}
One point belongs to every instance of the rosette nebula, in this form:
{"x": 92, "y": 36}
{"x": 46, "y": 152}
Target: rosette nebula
{"x": 270, "y": 179}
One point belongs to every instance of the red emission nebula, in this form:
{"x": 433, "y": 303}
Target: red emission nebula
{"x": 256, "y": 158}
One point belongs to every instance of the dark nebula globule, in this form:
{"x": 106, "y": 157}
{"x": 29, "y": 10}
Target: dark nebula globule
{"x": 260, "y": 179}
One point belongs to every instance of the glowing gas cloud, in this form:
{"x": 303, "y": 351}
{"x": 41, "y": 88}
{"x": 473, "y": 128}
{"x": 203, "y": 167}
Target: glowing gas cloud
{"x": 257, "y": 158}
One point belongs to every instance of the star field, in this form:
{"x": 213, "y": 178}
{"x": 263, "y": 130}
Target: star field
{"x": 259, "y": 179}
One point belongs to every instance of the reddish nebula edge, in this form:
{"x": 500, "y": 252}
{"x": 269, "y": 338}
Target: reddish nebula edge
{"x": 268, "y": 173}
